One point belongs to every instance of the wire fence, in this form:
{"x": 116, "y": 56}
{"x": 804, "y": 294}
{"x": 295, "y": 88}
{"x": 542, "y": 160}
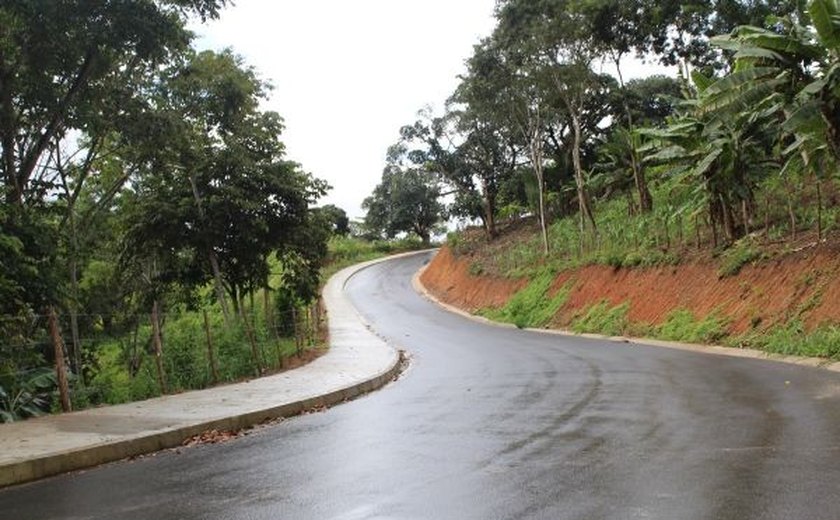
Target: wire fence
{"x": 65, "y": 361}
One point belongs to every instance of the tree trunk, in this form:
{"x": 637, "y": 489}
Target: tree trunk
{"x": 76, "y": 358}
{"x": 645, "y": 199}
{"x": 536, "y": 158}
{"x": 252, "y": 340}
{"x": 214, "y": 370}
{"x": 583, "y": 195}
{"x": 60, "y": 372}
{"x": 158, "y": 345}
{"x": 490, "y": 214}
{"x": 214, "y": 261}
{"x": 818, "y": 185}
{"x": 746, "y": 217}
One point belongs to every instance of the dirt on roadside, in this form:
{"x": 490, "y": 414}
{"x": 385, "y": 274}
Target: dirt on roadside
{"x": 800, "y": 285}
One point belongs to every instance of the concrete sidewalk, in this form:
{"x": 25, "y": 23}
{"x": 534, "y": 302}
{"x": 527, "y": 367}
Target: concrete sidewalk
{"x": 357, "y": 362}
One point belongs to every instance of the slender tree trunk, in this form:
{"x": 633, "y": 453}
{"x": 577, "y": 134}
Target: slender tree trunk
{"x": 818, "y": 185}
{"x": 697, "y": 240}
{"x": 645, "y": 198}
{"x": 728, "y": 221}
{"x": 583, "y": 195}
{"x": 296, "y": 325}
{"x": 713, "y": 224}
{"x": 489, "y": 214}
{"x": 746, "y": 217}
{"x": 252, "y": 340}
{"x": 214, "y": 370}
{"x": 536, "y": 157}
{"x": 158, "y": 345}
{"x": 60, "y": 372}
{"x": 76, "y": 363}
{"x": 268, "y": 312}
{"x": 218, "y": 285}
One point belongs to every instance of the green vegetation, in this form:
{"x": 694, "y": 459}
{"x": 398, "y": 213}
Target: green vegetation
{"x": 125, "y": 370}
{"x": 736, "y": 159}
{"x": 346, "y": 251}
{"x": 682, "y": 325}
{"x": 143, "y": 185}
{"x": 533, "y": 306}
{"x": 740, "y": 254}
{"x": 602, "y": 318}
{"x": 793, "y": 339}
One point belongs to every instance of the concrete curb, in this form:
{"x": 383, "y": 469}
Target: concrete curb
{"x": 833, "y": 366}
{"x": 349, "y": 335}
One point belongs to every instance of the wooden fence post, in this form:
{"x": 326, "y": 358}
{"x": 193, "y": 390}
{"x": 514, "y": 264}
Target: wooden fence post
{"x": 158, "y": 348}
{"x": 60, "y": 370}
{"x": 214, "y": 371}
{"x": 249, "y": 333}
{"x": 298, "y": 339}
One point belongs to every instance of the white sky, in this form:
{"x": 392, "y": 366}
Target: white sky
{"x": 349, "y": 74}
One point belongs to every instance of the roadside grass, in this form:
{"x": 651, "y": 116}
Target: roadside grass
{"x": 346, "y": 251}
{"x": 532, "y": 306}
{"x": 123, "y": 367}
{"x": 741, "y": 253}
{"x": 793, "y": 339}
{"x": 603, "y": 318}
{"x": 670, "y": 234}
{"x": 683, "y": 325}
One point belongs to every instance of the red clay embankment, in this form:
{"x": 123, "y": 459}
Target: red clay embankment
{"x": 803, "y": 285}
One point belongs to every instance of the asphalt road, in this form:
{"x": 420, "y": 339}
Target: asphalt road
{"x": 497, "y": 423}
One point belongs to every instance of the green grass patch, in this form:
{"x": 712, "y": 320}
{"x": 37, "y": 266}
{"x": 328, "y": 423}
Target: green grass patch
{"x": 602, "y": 318}
{"x": 532, "y": 306}
{"x": 346, "y": 251}
{"x": 737, "y": 256}
{"x": 793, "y": 340}
{"x": 682, "y": 325}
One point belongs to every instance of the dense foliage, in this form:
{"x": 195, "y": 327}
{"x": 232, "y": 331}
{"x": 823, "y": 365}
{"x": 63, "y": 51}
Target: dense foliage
{"x": 743, "y": 142}
{"x": 142, "y": 183}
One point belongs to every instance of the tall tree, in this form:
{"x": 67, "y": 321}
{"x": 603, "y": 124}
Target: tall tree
{"x": 221, "y": 194}
{"x": 405, "y": 201}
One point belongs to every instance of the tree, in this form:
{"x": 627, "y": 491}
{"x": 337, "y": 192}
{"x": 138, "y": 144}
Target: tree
{"x": 336, "y": 218}
{"x": 788, "y": 72}
{"x": 221, "y": 197}
{"x": 73, "y": 76}
{"x": 550, "y": 45}
{"x": 405, "y": 201}
{"x": 62, "y": 63}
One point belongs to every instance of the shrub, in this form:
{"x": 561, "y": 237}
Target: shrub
{"x": 602, "y": 318}
{"x": 682, "y": 325}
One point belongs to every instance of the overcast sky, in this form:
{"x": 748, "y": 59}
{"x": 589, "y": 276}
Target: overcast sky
{"x": 348, "y": 74}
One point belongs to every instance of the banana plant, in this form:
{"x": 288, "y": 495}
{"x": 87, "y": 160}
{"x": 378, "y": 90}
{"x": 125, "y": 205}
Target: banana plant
{"x": 791, "y": 73}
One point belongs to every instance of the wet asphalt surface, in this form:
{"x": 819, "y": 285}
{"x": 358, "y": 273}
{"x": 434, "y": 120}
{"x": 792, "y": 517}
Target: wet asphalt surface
{"x": 497, "y": 423}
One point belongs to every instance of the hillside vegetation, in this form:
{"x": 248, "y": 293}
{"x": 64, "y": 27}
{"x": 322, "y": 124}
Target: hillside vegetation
{"x": 724, "y": 177}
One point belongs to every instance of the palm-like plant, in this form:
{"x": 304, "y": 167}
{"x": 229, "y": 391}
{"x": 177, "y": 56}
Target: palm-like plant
{"x": 790, "y": 73}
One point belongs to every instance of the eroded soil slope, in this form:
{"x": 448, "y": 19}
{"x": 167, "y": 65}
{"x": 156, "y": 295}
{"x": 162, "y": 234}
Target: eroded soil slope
{"x": 803, "y": 285}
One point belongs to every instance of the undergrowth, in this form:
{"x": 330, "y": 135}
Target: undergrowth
{"x": 793, "y": 339}
{"x": 603, "y": 318}
{"x": 532, "y": 306}
{"x": 682, "y": 325}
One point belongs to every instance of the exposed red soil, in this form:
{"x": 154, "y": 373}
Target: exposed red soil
{"x": 805, "y": 285}
{"x": 450, "y": 280}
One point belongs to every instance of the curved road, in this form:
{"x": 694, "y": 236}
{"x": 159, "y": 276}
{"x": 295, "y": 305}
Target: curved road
{"x": 497, "y": 423}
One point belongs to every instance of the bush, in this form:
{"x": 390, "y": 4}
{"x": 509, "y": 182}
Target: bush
{"x": 601, "y": 318}
{"x": 737, "y": 256}
{"x": 793, "y": 340}
{"x": 532, "y": 306}
{"x": 681, "y": 325}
